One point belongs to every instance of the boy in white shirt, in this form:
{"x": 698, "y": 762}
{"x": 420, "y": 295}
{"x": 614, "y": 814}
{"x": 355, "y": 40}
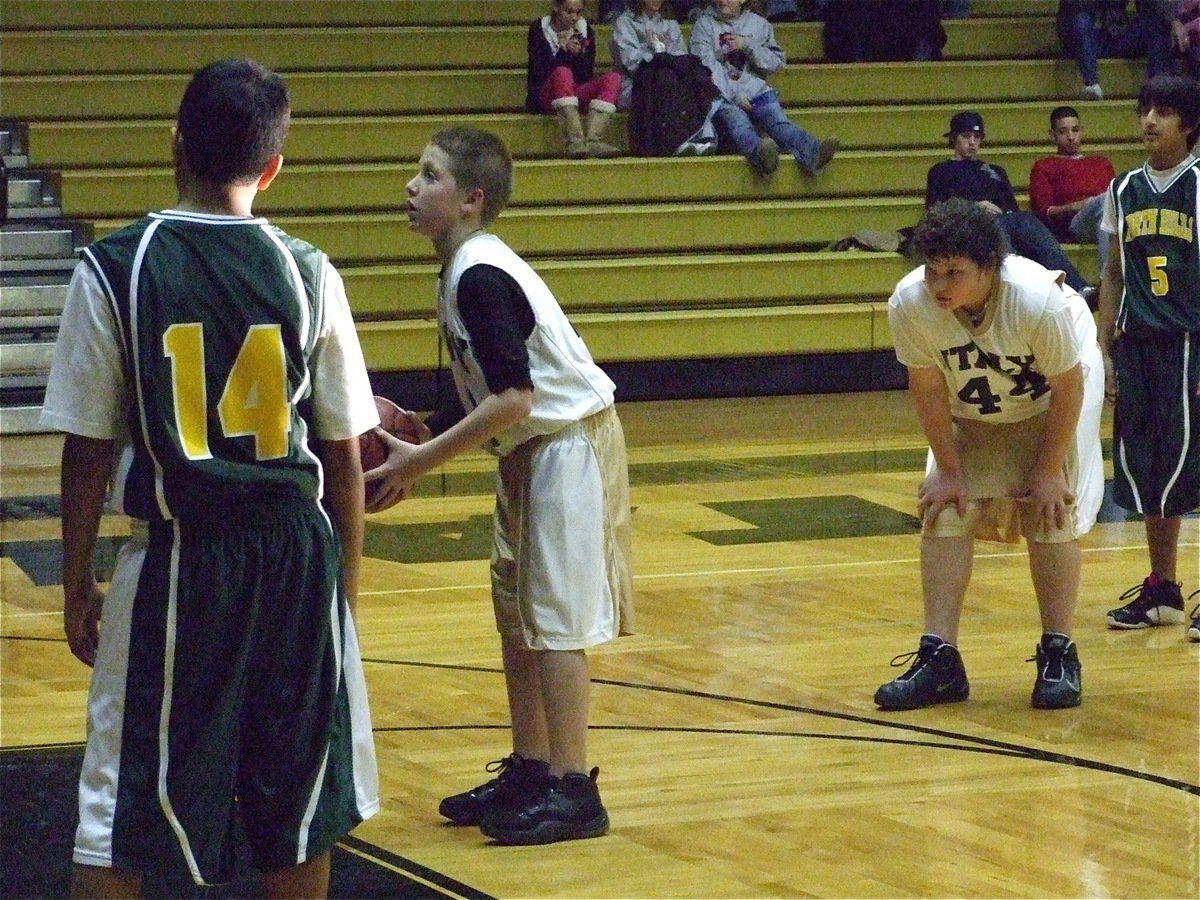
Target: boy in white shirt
{"x": 998, "y": 353}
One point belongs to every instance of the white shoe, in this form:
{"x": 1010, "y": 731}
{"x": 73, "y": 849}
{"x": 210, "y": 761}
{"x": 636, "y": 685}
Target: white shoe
{"x": 1093, "y": 92}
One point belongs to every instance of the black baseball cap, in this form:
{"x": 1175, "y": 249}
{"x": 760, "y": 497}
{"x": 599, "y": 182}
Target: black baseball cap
{"x": 964, "y": 123}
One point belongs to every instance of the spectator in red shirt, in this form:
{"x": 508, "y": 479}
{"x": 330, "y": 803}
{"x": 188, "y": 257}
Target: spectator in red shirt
{"x": 1067, "y": 190}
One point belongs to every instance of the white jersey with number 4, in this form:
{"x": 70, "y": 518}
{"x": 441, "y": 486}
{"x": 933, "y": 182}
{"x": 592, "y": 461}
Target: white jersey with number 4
{"x": 996, "y": 371}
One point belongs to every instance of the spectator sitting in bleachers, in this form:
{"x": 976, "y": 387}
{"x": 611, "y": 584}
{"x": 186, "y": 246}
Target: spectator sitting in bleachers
{"x": 640, "y": 33}
{"x": 559, "y": 79}
{"x": 675, "y": 117}
{"x": 1185, "y": 36}
{"x": 739, "y": 48}
{"x": 1090, "y": 30}
{"x": 987, "y": 184}
{"x": 856, "y": 31}
{"x": 1067, "y": 190}
{"x": 684, "y": 9}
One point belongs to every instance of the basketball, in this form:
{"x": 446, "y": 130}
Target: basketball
{"x": 371, "y": 449}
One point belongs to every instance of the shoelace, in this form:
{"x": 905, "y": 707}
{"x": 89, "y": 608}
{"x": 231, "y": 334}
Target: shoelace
{"x": 1134, "y": 591}
{"x": 919, "y": 660}
{"x": 1143, "y": 598}
{"x": 499, "y": 766}
{"x": 1052, "y": 659}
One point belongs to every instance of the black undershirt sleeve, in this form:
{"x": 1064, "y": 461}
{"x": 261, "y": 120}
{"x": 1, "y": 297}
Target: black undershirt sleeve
{"x": 499, "y": 320}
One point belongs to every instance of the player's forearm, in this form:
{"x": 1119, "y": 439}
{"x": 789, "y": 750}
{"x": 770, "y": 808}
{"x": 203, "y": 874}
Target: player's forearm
{"x": 344, "y": 502}
{"x": 1062, "y": 420}
{"x": 931, "y": 400}
{"x": 494, "y": 415}
{"x": 86, "y": 464}
{"x": 1109, "y": 300}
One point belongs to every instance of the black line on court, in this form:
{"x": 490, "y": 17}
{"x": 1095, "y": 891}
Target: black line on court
{"x": 23, "y": 637}
{"x": 37, "y": 825}
{"x": 442, "y": 882}
{"x": 1004, "y": 747}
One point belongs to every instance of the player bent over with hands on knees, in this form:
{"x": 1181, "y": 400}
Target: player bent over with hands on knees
{"x": 1150, "y": 336}
{"x": 207, "y": 365}
{"x": 560, "y": 569}
{"x": 1006, "y": 378}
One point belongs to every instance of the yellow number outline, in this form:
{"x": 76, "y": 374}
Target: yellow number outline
{"x": 254, "y": 401}
{"x": 1156, "y": 266}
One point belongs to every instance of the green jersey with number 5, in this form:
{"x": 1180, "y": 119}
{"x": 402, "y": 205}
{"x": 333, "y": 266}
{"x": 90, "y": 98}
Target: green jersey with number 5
{"x": 1160, "y": 253}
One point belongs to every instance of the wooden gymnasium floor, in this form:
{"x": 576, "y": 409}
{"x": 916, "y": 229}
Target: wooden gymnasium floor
{"x": 740, "y": 752}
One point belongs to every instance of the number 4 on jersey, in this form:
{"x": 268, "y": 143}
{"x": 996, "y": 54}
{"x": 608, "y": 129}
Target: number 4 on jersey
{"x": 254, "y": 401}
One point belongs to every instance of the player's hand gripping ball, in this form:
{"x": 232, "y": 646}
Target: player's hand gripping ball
{"x": 395, "y": 421}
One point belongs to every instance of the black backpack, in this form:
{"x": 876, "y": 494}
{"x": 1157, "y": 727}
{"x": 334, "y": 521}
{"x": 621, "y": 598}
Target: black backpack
{"x": 671, "y": 98}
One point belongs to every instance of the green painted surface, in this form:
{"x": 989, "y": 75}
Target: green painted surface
{"x": 806, "y": 519}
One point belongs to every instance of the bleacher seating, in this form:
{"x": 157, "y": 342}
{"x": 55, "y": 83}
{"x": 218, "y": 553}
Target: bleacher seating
{"x": 660, "y": 262}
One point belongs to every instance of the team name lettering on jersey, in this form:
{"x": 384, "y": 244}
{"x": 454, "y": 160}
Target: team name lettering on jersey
{"x": 1169, "y": 222}
{"x": 1026, "y": 381}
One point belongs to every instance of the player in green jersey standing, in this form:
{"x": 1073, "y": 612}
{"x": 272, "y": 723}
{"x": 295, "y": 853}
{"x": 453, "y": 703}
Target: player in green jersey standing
{"x": 1149, "y": 334}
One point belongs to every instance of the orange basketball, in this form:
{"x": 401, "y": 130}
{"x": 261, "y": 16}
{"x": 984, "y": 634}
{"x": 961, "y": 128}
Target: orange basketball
{"x": 394, "y": 420}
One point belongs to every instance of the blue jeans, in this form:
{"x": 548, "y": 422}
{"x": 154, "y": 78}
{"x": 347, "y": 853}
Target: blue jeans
{"x": 777, "y": 8}
{"x": 768, "y": 115}
{"x": 1145, "y": 36}
{"x": 1085, "y": 227}
{"x": 1028, "y": 237}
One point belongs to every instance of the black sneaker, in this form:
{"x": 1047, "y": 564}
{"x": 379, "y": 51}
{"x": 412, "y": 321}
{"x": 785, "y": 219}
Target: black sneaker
{"x": 566, "y": 809}
{"x": 1193, "y": 632}
{"x": 936, "y": 676}
{"x": 1058, "y": 684}
{"x": 1154, "y": 602}
{"x": 518, "y": 778}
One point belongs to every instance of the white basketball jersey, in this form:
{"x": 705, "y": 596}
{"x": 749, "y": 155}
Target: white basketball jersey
{"x": 997, "y": 371}
{"x": 568, "y": 386}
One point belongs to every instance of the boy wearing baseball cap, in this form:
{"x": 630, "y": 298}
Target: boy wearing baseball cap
{"x": 968, "y": 177}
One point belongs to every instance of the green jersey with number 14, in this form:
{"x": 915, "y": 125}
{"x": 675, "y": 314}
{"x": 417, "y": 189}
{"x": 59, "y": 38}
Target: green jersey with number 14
{"x": 218, "y": 318}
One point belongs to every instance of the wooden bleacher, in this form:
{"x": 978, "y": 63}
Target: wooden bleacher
{"x": 659, "y": 262}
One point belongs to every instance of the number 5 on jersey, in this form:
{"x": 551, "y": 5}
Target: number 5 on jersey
{"x": 1157, "y": 266}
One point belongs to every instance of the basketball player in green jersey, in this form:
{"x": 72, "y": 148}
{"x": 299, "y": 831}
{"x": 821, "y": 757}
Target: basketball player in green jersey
{"x": 1149, "y": 333}
{"x": 208, "y": 368}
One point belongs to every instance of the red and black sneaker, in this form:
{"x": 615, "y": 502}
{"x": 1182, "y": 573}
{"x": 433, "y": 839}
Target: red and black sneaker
{"x": 1153, "y": 602}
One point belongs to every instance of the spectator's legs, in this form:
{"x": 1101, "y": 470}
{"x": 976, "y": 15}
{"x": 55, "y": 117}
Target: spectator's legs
{"x": 736, "y": 125}
{"x": 599, "y": 98}
{"x": 1148, "y": 35}
{"x": 557, "y": 96}
{"x": 768, "y": 115}
{"x": 811, "y": 155}
{"x": 782, "y": 10}
{"x": 1030, "y": 238}
{"x": 1085, "y": 227}
{"x": 761, "y": 152}
{"x": 956, "y": 9}
{"x": 557, "y": 86}
{"x": 604, "y": 87}
{"x": 1081, "y": 40}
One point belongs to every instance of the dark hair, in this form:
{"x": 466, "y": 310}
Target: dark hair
{"x": 959, "y": 227}
{"x": 637, "y": 6}
{"x": 1062, "y": 112}
{"x": 232, "y": 120}
{"x": 478, "y": 159}
{"x": 1176, "y": 93}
